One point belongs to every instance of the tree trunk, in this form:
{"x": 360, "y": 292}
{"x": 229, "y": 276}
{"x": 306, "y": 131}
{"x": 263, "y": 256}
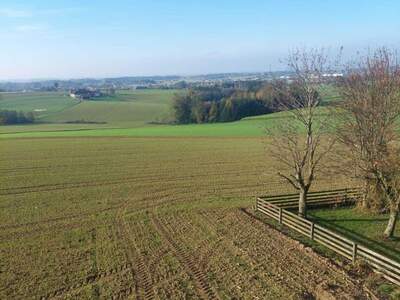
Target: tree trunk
{"x": 394, "y": 212}
{"x": 367, "y": 190}
{"x": 303, "y": 203}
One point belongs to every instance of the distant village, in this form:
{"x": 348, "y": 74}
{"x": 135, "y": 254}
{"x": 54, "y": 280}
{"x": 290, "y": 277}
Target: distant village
{"x": 93, "y": 88}
{"x": 91, "y": 93}
{"x": 86, "y": 89}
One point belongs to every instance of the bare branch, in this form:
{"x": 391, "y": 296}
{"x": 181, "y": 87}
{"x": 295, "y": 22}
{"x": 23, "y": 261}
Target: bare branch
{"x": 297, "y": 143}
{"x": 367, "y": 128}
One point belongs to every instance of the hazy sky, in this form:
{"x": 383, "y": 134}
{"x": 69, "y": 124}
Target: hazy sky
{"x": 99, "y": 38}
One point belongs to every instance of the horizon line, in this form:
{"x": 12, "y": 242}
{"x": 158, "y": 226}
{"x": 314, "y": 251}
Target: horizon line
{"x": 21, "y": 80}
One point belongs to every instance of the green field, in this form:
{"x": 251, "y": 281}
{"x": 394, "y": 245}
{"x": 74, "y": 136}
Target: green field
{"x": 130, "y": 210}
{"x": 247, "y": 127}
{"x": 42, "y": 104}
{"x": 131, "y": 113}
{"x": 125, "y": 109}
{"x": 242, "y": 128}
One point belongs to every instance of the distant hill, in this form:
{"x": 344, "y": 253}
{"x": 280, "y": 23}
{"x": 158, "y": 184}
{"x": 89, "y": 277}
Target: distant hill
{"x": 131, "y": 81}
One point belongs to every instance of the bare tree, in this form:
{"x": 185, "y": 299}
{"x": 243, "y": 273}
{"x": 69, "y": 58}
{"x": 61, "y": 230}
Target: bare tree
{"x": 297, "y": 143}
{"x": 367, "y": 128}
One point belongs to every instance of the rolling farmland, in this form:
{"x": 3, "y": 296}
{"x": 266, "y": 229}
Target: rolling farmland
{"x": 42, "y": 104}
{"x": 126, "y": 108}
{"x": 247, "y": 127}
{"x": 211, "y": 150}
{"x": 129, "y": 114}
{"x": 161, "y": 214}
{"x": 145, "y": 218}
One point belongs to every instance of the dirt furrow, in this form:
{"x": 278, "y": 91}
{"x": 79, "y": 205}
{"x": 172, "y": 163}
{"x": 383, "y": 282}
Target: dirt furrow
{"x": 226, "y": 241}
{"x": 199, "y": 277}
{"x": 124, "y": 242}
{"x": 143, "y": 281}
{"x": 285, "y": 256}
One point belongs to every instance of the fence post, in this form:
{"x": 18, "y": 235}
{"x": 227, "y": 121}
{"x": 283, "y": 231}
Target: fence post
{"x": 312, "y": 231}
{"x": 280, "y": 215}
{"x": 256, "y": 204}
{"x": 354, "y": 256}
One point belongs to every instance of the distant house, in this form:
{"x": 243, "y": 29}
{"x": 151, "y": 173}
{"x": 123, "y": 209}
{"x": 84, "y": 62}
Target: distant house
{"x": 84, "y": 94}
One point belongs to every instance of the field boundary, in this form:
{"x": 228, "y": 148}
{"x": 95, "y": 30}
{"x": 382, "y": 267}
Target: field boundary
{"x": 275, "y": 207}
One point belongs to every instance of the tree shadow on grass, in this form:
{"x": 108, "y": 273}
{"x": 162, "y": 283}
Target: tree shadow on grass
{"x": 379, "y": 245}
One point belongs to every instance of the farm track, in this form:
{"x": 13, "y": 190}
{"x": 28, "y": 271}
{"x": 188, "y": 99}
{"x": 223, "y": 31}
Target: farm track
{"x": 187, "y": 259}
{"x": 140, "y": 272}
{"x": 304, "y": 276}
{"x": 274, "y": 270}
{"x": 227, "y": 240}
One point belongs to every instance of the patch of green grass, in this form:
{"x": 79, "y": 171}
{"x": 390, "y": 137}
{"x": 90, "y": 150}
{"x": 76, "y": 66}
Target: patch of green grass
{"x": 247, "y": 127}
{"x": 50, "y": 127}
{"x": 329, "y": 94}
{"x": 126, "y": 109}
{"x": 386, "y": 289}
{"x": 363, "y": 227}
{"x": 41, "y": 103}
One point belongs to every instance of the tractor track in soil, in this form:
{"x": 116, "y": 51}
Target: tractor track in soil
{"x": 273, "y": 275}
{"x": 86, "y": 214}
{"x": 225, "y": 242}
{"x": 140, "y": 272}
{"x": 283, "y": 262}
{"x": 191, "y": 265}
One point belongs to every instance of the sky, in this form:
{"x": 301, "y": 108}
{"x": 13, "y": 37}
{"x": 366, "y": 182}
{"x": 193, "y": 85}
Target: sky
{"x": 42, "y": 39}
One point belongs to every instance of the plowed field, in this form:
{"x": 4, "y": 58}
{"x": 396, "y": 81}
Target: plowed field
{"x": 147, "y": 218}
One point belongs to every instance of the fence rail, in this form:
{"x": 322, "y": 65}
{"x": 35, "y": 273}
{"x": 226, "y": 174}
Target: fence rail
{"x": 340, "y": 197}
{"x": 276, "y": 207}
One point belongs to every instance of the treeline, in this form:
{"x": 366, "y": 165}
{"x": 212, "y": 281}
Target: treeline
{"x": 231, "y": 102}
{"x": 9, "y": 117}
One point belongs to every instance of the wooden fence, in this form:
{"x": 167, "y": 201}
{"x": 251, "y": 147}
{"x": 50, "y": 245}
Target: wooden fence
{"x": 276, "y": 208}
